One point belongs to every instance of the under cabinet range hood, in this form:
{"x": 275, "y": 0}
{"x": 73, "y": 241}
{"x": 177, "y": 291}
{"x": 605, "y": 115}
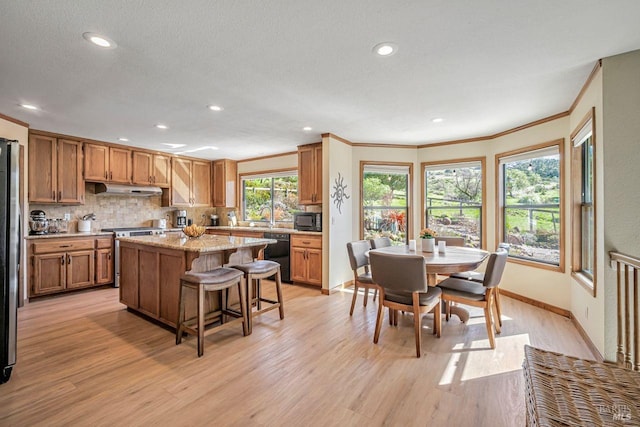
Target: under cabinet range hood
{"x": 127, "y": 190}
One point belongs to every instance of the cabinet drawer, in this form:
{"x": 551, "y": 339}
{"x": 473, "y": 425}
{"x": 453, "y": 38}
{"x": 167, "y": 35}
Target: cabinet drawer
{"x": 62, "y": 246}
{"x": 254, "y": 234}
{"x": 313, "y": 242}
{"x": 218, "y": 232}
{"x": 103, "y": 243}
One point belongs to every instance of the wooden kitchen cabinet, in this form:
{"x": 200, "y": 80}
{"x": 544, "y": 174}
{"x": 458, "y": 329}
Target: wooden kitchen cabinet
{"x": 306, "y": 259}
{"x": 310, "y": 174}
{"x": 63, "y": 264}
{"x": 55, "y": 170}
{"x": 190, "y": 183}
{"x": 224, "y": 183}
{"x": 151, "y": 169}
{"x": 107, "y": 164}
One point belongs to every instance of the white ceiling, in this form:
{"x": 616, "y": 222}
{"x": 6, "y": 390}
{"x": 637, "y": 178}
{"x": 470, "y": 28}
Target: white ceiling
{"x": 279, "y": 65}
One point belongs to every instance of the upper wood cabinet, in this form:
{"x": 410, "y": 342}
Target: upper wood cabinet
{"x": 55, "y": 170}
{"x": 107, "y": 164}
{"x": 224, "y": 183}
{"x": 310, "y": 174}
{"x": 190, "y": 183}
{"x": 151, "y": 169}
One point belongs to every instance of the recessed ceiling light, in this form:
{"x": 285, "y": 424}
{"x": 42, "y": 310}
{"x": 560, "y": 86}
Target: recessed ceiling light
{"x": 437, "y": 120}
{"x": 385, "y": 49}
{"x": 214, "y": 108}
{"x": 29, "y": 106}
{"x": 168, "y": 144}
{"x": 99, "y": 40}
{"x": 307, "y": 128}
{"x": 123, "y": 139}
{"x": 161, "y": 126}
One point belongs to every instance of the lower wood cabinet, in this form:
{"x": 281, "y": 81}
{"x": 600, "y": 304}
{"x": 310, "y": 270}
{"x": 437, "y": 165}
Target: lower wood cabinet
{"x": 306, "y": 259}
{"x": 63, "y": 264}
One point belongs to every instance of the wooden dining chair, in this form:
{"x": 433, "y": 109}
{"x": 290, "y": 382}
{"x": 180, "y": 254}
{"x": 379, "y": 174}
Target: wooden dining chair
{"x": 403, "y": 286}
{"x": 476, "y": 294}
{"x": 380, "y": 242}
{"x": 478, "y": 276}
{"x": 359, "y": 262}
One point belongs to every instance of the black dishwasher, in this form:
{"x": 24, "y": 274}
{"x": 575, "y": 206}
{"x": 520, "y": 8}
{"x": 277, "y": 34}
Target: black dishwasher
{"x": 279, "y": 252}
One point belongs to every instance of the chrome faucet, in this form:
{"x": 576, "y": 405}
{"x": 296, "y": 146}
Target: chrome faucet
{"x": 272, "y": 222}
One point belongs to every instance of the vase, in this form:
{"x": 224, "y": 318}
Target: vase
{"x": 428, "y": 245}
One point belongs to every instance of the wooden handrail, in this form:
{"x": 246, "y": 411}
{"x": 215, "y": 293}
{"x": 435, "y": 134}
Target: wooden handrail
{"x": 627, "y": 268}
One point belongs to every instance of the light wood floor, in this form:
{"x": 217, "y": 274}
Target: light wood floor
{"x": 84, "y": 360}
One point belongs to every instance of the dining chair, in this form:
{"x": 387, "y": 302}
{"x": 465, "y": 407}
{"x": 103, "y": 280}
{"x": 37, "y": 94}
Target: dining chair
{"x": 403, "y": 286}
{"x": 359, "y": 260}
{"x": 468, "y": 292}
{"x": 380, "y": 242}
{"x": 478, "y": 276}
{"x": 451, "y": 241}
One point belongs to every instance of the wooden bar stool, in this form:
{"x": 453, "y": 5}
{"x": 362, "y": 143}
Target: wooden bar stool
{"x": 255, "y": 271}
{"x": 220, "y": 279}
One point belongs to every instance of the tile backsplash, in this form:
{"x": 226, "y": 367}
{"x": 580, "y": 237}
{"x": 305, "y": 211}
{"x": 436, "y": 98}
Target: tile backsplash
{"x": 122, "y": 211}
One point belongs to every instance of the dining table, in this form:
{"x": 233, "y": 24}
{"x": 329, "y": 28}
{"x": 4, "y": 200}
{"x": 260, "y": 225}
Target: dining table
{"x": 454, "y": 259}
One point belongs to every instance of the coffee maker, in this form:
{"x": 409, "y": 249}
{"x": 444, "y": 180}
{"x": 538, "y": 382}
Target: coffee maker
{"x": 180, "y": 218}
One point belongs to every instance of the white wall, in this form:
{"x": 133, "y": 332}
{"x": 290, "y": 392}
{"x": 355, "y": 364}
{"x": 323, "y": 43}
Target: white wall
{"x": 289, "y": 161}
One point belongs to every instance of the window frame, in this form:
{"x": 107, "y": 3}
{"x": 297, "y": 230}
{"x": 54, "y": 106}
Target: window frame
{"x": 577, "y": 182}
{"x": 271, "y": 173}
{"x": 499, "y": 203}
{"x": 453, "y": 162}
{"x": 409, "y": 165}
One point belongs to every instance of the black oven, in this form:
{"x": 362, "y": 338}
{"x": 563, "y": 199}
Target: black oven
{"x": 307, "y": 221}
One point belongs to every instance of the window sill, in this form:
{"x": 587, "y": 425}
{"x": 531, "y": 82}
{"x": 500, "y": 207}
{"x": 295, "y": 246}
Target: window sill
{"x": 585, "y": 282}
{"x": 535, "y": 264}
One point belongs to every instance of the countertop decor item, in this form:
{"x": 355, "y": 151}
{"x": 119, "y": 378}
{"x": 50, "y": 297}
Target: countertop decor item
{"x": 194, "y": 231}
{"x": 427, "y": 236}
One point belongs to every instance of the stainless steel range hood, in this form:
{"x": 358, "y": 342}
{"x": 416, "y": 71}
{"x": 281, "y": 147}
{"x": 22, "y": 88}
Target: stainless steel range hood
{"x": 127, "y": 190}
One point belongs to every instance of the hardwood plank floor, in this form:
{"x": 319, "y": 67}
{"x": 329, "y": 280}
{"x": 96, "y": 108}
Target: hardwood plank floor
{"x": 84, "y": 360}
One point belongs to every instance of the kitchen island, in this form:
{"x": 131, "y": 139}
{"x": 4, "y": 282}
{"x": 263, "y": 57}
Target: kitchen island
{"x": 151, "y": 266}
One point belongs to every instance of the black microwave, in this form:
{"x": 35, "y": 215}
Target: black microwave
{"x": 307, "y": 221}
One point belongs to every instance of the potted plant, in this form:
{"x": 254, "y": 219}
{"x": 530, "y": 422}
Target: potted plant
{"x": 427, "y": 237}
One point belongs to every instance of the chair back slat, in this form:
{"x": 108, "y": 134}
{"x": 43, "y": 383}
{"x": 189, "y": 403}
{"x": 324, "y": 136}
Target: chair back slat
{"x": 398, "y": 273}
{"x": 451, "y": 241}
{"x": 380, "y": 242}
{"x": 356, "y": 251}
{"x": 495, "y": 268}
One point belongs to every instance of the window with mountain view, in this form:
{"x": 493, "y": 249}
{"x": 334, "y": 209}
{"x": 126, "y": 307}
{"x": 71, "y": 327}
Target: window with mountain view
{"x": 270, "y": 197}
{"x": 530, "y": 203}
{"x": 453, "y": 199}
{"x": 385, "y": 201}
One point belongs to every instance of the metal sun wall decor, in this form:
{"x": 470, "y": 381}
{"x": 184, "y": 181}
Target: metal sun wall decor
{"x": 339, "y": 194}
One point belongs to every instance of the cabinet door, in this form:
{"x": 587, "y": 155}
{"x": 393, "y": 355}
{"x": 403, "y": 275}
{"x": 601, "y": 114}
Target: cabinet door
{"x": 201, "y": 183}
{"x": 181, "y": 182}
{"x": 306, "y": 175}
{"x": 219, "y": 197}
{"x": 42, "y": 169}
{"x": 129, "y": 286}
{"x": 298, "y": 264}
{"x": 96, "y": 162}
{"x": 142, "y": 168}
{"x": 161, "y": 170}
{"x": 120, "y": 165}
{"x": 104, "y": 266}
{"x": 80, "y": 269}
{"x": 48, "y": 273}
{"x": 149, "y": 284}
{"x": 70, "y": 181}
{"x": 314, "y": 266}
{"x": 224, "y": 183}
{"x": 317, "y": 169}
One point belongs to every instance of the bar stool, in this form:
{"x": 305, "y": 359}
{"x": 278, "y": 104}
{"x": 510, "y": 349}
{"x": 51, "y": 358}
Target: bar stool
{"x": 255, "y": 271}
{"x": 220, "y": 279}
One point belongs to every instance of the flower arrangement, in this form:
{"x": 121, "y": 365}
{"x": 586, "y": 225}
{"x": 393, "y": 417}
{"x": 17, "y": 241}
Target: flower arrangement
{"x": 427, "y": 233}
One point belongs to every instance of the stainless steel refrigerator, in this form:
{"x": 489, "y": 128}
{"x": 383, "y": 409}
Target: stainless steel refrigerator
{"x": 9, "y": 254}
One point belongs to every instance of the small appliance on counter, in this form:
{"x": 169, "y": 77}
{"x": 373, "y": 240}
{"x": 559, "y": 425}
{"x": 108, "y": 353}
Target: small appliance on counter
{"x": 232, "y": 219}
{"x": 307, "y": 221}
{"x": 38, "y": 222}
{"x": 84, "y": 224}
{"x": 160, "y": 223}
{"x": 58, "y": 225}
{"x": 215, "y": 220}
{"x": 180, "y": 218}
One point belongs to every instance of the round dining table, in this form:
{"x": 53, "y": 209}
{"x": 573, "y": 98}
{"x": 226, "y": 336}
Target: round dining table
{"x": 454, "y": 259}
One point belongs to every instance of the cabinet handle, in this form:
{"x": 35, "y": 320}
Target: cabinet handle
{"x": 53, "y": 195}
{"x": 59, "y": 195}
{"x": 62, "y": 260}
{"x": 69, "y": 259}
{"x": 109, "y": 256}
{"x": 110, "y": 175}
{"x": 106, "y": 175}
{"x": 306, "y": 242}
{"x": 150, "y": 180}
{"x": 65, "y": 246}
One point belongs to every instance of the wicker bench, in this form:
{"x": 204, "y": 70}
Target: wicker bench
{"x": 566, "y": 391}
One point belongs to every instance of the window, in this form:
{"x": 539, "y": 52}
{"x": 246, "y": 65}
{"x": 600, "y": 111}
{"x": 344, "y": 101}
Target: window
{"x": 270, "y": 197}
{"x": 385, "y": 193}
{"x": 530, "y": 204}
{"x": 453, "y": 198}
{"x": 583, "y": 203}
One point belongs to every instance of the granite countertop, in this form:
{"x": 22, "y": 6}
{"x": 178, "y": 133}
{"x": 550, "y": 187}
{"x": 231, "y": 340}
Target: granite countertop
{"x": 265, "y": 229}
{"x": 63, "y": 235}
{"x": 205, "y": 243}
